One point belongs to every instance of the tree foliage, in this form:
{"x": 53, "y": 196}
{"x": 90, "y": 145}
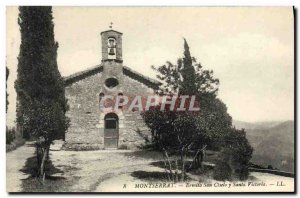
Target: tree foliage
{"x": 40, "y": 90}
{"x": 174, "y": 134}
{"x": 188, "y": 77}
{"x": 237, "y": 152}
{"x": 180, "y": 133}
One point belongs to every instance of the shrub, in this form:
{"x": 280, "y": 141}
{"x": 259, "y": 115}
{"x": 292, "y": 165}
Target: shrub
{"x": 10, "y": 135}
{"x": 222, "y": 171}
{"x": 242, "y": 173}
{"x": 237, "y": 152}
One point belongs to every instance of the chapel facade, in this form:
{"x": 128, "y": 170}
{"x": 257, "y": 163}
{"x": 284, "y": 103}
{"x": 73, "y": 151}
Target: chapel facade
{"x": 91, "y": 128}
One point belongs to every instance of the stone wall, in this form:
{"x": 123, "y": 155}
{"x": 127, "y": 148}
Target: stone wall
{"x": 86, "y": 131}
{"x": 135, "y": 130}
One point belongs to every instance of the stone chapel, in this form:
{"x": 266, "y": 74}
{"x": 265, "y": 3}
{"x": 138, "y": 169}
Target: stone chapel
{"x": 92, "y": 129}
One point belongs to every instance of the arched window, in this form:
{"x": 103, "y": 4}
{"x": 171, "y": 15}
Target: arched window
{"x": 101, "y": 95}
{"x": 111, "y": 43}
{"x": 121, "y": 101}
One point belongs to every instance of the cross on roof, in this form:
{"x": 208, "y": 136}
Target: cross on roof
{"x": 111, "y": 23}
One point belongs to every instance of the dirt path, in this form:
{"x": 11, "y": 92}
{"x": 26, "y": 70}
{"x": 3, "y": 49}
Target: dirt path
{"x": 92, "y": 168}
{"x": 123, "y": 180}
{"x": 15, "y": 161}
{"x": 106, "y": 171}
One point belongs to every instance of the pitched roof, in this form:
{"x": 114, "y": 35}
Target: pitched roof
{"x": 111, "y": 31}
{"x": 126, "y": 71}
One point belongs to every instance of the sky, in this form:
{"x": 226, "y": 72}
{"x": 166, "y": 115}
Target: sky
{"x": 250, "y": 49}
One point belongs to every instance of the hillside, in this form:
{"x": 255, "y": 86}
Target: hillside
{"x": 273, "y": 143}
{"x": 254, "y": 125}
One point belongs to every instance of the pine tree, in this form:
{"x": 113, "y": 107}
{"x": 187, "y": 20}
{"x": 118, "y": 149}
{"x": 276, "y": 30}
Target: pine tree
{"x": 41, "y": 99}
{"x": 188, "y": 73}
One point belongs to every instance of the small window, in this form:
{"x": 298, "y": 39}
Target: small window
{"x": 111, "y": 83}
{"x": 121, "y": 100}
{"x": 101, "y": 95}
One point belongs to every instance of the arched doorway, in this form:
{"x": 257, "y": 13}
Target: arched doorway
{"x": 111, "y": 131}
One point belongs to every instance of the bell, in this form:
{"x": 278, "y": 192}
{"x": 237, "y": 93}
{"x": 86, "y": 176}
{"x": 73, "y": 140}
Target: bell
{"x": 111, "y": 51}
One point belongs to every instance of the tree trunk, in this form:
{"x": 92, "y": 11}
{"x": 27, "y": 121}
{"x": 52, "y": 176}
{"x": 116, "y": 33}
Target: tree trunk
{"x": 48, "y": 148}
{"x": 166, "y": 167}
{"x": 182, "y": 156}
{"x": 42, "y": 167}
{"x": 200, "y": 159}
{"x": 170, "y": 165}
{"x": 38, "y": 158}
{"x": 203, "y": 153}
{"x": 194, "y": 161}
{"x": 176, "y": 171}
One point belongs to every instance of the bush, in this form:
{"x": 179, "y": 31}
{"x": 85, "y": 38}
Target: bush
{"x": 242, "y": 172}
{"x": 237, "y": 152}
{"x": 10, "y": 135}
{"x": 15, "y": 144}
{"x": 222, "y": 171}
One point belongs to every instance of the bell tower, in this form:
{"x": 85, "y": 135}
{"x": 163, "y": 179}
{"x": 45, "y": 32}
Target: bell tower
{"x": 112, "y": 61}
{"x": 111, "y": 46}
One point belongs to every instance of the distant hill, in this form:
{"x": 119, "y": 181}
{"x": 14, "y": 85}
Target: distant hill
{"x": 254, "y": 125}
{"x": 273, "y": 143}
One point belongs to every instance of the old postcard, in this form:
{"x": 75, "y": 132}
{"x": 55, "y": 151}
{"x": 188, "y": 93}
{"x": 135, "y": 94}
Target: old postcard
{"x": 150, "y": 99}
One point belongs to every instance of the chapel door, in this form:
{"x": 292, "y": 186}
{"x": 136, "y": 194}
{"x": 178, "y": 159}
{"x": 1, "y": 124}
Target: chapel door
{"x": 111, "y": 131}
